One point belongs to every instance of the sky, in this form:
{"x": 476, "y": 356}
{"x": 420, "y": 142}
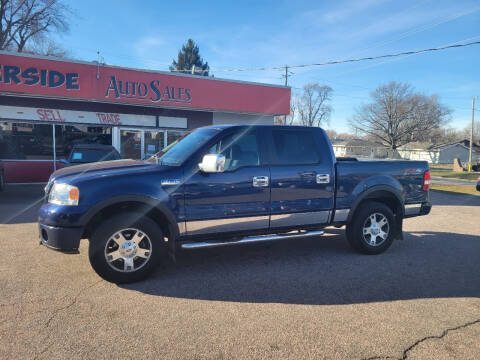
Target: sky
{"x": 245, "y": 34}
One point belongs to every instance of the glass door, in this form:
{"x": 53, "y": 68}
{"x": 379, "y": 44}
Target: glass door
{"x": 153, "y": 142}
{"x": 131, "y": 144}
{"x": 141, "y": 144}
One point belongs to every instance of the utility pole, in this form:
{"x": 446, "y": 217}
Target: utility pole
{"x": 471, "y": 137}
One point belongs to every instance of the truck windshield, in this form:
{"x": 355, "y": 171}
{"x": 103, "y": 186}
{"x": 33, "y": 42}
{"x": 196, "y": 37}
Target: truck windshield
{"x": 177, "y": 154}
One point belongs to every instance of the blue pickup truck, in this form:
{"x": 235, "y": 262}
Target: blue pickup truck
{"x": 225, "y": 185}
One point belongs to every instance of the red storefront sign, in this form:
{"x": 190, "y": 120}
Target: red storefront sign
{"x": 62, "y": 79}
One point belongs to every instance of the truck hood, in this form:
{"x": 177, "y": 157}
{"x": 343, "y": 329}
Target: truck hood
{"x": 102, "y": 167}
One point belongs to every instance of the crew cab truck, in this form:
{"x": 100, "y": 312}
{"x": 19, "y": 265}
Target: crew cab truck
{"x": 225, "y": 185}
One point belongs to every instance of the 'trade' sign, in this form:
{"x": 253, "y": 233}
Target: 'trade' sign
{"x": 62, "y": 79}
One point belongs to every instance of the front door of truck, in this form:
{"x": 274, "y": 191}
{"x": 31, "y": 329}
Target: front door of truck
{"x": 302, "y": 179}
{"x": 236, "y": 200}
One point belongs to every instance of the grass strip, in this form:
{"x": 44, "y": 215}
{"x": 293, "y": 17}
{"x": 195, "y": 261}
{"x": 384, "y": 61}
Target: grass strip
{"x": 455, "y": 175}
{"x": 457, "y": 189}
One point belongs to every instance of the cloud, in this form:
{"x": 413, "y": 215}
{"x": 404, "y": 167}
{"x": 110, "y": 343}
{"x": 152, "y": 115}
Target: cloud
{"x": 349, "y": 9}
{"x": 146, "y": 48}
{"x": 414, "y": 21}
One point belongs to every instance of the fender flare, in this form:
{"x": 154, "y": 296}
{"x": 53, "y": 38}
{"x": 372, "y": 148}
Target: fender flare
{"x": 363, "y": 195}
{"x": 146, "y": 200}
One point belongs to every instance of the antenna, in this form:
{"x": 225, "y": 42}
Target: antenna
{"x": 99, "y": 59}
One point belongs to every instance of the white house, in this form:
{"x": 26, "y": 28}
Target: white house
{"x": 359, "y": 148}
{"x": 419, "y": 151}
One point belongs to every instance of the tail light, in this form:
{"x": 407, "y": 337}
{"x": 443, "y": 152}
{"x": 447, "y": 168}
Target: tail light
{"x": 426, "y": 181}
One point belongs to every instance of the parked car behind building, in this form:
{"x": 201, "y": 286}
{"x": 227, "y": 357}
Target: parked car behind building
{"x": 88, "y": 153}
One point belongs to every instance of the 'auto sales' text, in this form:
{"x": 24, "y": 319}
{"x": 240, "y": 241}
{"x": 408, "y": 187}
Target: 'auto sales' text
{"x": 154, "y": 91}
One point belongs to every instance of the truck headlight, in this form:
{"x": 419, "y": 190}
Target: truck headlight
{"x": 64, "y": 194}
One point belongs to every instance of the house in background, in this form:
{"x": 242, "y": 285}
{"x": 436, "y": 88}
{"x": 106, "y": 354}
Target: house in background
{"x": 461, "y": 150}
{"x": 359, "y": 148}
{"x": 440, "y": 154}
{"x": 424, "y": 151}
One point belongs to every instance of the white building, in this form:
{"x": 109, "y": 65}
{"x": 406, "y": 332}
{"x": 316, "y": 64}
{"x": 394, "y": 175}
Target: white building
{"x": 440, "y": 154}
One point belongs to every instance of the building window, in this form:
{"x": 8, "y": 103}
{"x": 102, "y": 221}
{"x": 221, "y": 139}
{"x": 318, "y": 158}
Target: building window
{"x": 174, "y": 135}
{"x": 67, "y": 136}
{"x": 31, "y": 141}
{"x": 26, "y": 141}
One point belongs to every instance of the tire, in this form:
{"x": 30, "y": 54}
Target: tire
{"x": 133, "y": 244}
{"x": 377, "y": 238}
{"x": 2, "y": 181}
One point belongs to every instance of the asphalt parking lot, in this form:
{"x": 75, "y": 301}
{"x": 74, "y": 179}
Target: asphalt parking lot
{"x": 311, "y": 298}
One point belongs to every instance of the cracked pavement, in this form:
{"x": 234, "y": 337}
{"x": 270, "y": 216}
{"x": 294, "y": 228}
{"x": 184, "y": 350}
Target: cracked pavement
{"x": 311, "y": 298}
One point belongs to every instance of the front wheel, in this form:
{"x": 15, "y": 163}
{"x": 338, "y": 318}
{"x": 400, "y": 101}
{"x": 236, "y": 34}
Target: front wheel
{"x": 372, "y": 228}
{"x": 126, "y": 247}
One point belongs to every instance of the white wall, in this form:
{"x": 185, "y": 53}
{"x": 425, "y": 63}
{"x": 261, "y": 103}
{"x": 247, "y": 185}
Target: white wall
{"x": 422, "y": 155}
{"x": 220, "y": 118}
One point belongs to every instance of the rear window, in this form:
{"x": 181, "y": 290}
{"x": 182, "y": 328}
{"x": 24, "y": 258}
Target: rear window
{"x": 294, "y": 147}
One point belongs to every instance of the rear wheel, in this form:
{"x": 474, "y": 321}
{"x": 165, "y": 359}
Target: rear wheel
{"x": 372, "y": 228}
{"x": 126, "y": 247}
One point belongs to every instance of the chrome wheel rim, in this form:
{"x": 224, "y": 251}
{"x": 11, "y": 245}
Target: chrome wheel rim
{"x": 376, "y": 229}
{"x": 128, "y": 250}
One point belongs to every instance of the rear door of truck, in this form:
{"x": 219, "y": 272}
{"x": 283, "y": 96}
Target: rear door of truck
{"x": 302, "y": 177}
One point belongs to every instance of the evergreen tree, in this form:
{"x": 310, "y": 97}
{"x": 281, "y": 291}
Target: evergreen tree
{"x": 189, "y": 56}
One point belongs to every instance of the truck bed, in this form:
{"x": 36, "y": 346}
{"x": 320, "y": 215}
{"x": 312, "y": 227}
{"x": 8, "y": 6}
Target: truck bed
{"x": 354, "y": 177}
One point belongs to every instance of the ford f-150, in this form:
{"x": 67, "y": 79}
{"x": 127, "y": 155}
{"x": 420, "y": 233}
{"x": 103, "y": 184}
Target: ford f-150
{"x": 225, "y": 185}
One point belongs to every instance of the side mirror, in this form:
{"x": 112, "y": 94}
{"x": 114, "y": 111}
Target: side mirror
{"x": 212, "y": 163}
{"x": 64, "y": 161}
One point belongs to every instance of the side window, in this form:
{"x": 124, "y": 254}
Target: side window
{"x": 240, "y": 149}
{"x": 294, "y": 147}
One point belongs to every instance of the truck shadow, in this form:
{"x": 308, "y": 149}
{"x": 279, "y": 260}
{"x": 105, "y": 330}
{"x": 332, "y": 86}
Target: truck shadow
{"x": 324, "y": 271}
{"x": 20, "y": 203}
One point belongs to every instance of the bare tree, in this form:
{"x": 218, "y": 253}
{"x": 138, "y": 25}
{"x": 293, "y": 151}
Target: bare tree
{"x": 476, "y": 131}
{"x": 313, "y": 105}
{"x": 398, "y": 115}
{"x": 47, "y": 47}
{"x": 445, "y": 135}
{"x": 290, "y": 119}
{"x": 332, "y": 134}
{"x": 26, "y": 24}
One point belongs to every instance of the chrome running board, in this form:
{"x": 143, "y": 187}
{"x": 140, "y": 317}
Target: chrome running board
{"x": 251, "y": 239}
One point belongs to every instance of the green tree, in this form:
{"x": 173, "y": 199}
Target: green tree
{"x": 188, "y": 56}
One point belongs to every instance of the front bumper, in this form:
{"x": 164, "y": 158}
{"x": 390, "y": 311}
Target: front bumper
{"x": 66, "y": 239}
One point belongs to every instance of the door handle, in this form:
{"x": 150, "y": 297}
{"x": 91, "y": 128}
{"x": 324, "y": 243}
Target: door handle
{"x": 323, "y": 178}
{"x": 260, "y": 181}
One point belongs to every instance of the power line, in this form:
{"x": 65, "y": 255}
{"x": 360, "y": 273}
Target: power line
{"x": 398, "y": 58}
{"x": 422, "y": 28}
{"x": 335, "y": 62}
